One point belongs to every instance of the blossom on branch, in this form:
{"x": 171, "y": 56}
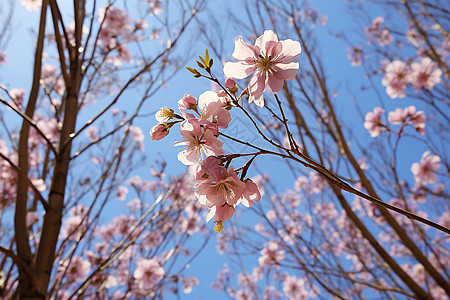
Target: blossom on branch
{"x": 397, "y": 77}
{"x": 425, "y": 74}
{"x": 270, "y": 60}
{"x": 373, "y": 122}
{"x": 424, "y": 172}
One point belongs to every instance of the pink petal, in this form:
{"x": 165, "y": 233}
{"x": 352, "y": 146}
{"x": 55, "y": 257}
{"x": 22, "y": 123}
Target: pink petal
{"x": 268, "y": 36}
{"x": 274, "y": 84}
{"x": 291, "y": 49}
{"x": 243, "y": 51}
{"x": 224, "y": 212}
{"x": 275, "y": 50}
{"x": 238, "y": 70}
{"x": 286, "y": 71}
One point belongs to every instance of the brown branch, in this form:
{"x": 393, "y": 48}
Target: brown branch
{"x": 20, "y": 228}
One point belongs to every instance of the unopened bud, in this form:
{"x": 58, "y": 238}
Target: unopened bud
{"x": 159, "y": 131}
{"x": 230, "y": 84}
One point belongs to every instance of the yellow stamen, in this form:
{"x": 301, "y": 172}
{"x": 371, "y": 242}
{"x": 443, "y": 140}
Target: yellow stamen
{"x": 264, "y": 63}
{"x": 219, "y": 226}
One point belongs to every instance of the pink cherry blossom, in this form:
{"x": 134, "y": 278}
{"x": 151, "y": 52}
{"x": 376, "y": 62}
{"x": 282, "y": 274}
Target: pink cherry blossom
{"x": 356, "y": 56}
{"x": 187, "y": 102}
{"x": 152, "y": 239}
{"x": 425, "y": 74}
{"x": 212, "y": 112}
{"x": 155, "y": 6}
{"x": 159, "y": 131}
{"x": 3, "y": 58}
{"x": 408, "y": 116}
{"x": 385, "y": 37}
{"x": 200, "y": 143}
{"x": 424, "y": 172}
{"x": 148, "y": 273}
{"x": 396, "y": 78}
{"x": 270, "y": 60}
{"x": 271, "y": 255}
{"x": 373, "y": 122}
{"x": 17, "y": 96}
{"x": 377, "y": 31}
{"x": 75, "y": 269}
{"x": 115, "y": 24}
{"x": 70, "y": 30}
{"x": 294, "y": 288}
{"x": 140, "y": 25}
{"x": 223, "y": 212}
{"x": 164, "y": 114}
{"x": 250, "y": 194}
{"x": 243, "y": 295}
{"x": 189, "y": 283}
{"x": 121, "y": 193}
{"x": 227, "y": 188}
{"x": 92, "y": 133}
{"x": 230, "y": 83}
{"x": 31, "y": 5}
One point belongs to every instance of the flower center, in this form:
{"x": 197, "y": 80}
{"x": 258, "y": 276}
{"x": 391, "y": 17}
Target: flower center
{"x": 264, "y": 63}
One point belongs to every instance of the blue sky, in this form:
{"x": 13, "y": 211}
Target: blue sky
{"x": 18, "y": 74}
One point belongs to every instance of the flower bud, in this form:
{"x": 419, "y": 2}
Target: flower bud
{"x": 187, "y": 102}
{"x": 230, "y": 84}
{"x": 159, "y": 131}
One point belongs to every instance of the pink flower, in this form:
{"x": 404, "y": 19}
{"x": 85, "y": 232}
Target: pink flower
{"x": 121, "y": 193}
{"x": 31, "y": 5}
{"x": 92, "y": 133}
{"x": 271, "y": 255}
{"x": 243, "y": 295}
{"x": 200, "y": 143}
{"x": 211, "y": 111}
{"x": 294, "y": 288}
{"x": 187, "y": 102}
{"x": 373, "y": 122}
{"x": 17, "y": 96}
{"x": 76, "y": 269}
{"x": 385, "y": 37}
{"x": 230, "y": 83}
{"x": 408, "y": 116}
{"x": 226, "y": 188}
{"x": 159, "y": 131}
{"x": 148, "y": 273}
{"x": 271, "y": 59}
{"x": 251, "y": 194}
{"x": 397, "y": 76}
{"x": 164, "y": 114}
{"x": 152, "y": 239}
{"x": 425, "y": 74}
{"x": 424, "y": 171}
{"x": 376, "y": 31}
{"x": 355, "y": 55}
{"x": 115, "y": 24}
{"x": 3, "y": 58}
{"x": 189, "y": 283}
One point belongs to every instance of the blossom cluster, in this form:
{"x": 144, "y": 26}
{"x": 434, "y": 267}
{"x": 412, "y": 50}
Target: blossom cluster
{"x": 406, "y": 117}
{"x": 421, "y": 75}
{"x": 376, "y": 31}
{"x": 220, "y": 187}
{"x": 217, "y": 187}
